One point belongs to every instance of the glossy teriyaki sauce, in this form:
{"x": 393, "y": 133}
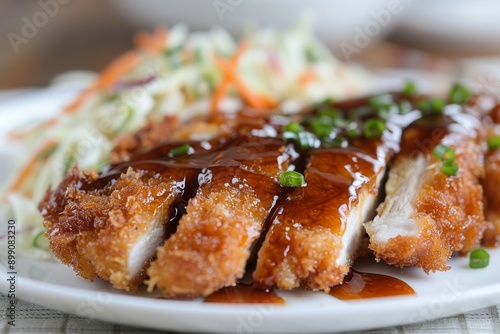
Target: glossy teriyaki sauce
{"x": 334, "y": 176}
{"x": 336, "y": 179}
{"x": 359, "y": 285}
{"x": 244, "y": 294}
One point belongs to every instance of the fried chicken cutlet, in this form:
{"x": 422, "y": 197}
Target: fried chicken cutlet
{"x": 491, "y": 182}
{"x": 214, "y": 239}
{"x": 432, "y": 207}
{"x": 111, "y": 232}
{"x": 313, "y": 240}
{"x": 109, "y": 225}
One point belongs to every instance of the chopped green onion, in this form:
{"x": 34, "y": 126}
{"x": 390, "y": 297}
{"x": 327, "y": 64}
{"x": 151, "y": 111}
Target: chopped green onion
{"x": 320, "y": 128}
{"x": 444, "y": 153}
{"x": 308, "y": 140}
{"x": 374, "y": 128}
{"x": 459, "y": 94}
{"x": 447, "y": 157}
{"x": 295, "y": 131}
{"x": 449, "y": 168}
{"x": 292, "y": 179}
{"x": 289, "y": 135}
{"x": 334, "y": 142}
{"x": 479, "y": 258}
{"x": 404, "y": 107}
{"x": 381, "y": 101}
{"x": 386, "y": 112}
{"x": 409, "y": 89}
{"x": 353, "y": 131}
{"x": 383, "y": 105}
{"x": 332, "y": 117}
{"x": 331, "y": 113}
{"x": 431, "y": 106}
{"x": 360, "y": 112}
{"x": 294, "y": 127}
{"x": 40, "y": 241}
{"x": 493, "y": 143}
{"x": 180, "y": 150}
{"x": 326, "y": 103}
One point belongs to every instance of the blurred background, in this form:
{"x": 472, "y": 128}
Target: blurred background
{"x": 41, "y": 39}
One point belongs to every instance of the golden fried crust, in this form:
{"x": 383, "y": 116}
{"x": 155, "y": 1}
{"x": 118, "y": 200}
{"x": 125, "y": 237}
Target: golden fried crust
{"x": 96, "y": 231}
{"x": 62, "y": 237}
{"x": 424, "y": 250}
{"x": 448, "y": 211}
{"x": 306, "y": 261}
{"x": 304, "y": 242}
{"x": 491, "y": 185}
{"x": 213, "y": 240}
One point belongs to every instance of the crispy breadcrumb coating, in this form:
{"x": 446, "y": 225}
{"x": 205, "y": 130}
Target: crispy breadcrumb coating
{"x": 96, "y": 231}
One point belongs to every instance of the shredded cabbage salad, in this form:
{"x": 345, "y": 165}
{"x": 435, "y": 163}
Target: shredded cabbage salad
{"x": 169, "y": 73}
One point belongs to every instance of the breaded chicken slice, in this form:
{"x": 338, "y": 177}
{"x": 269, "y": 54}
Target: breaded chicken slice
{"x": 111, "y": 233}
{"x": 313, "y": 240}
{"x": 491, "y": 182}
{"x": 427, "y": 215}
{"x": 214, "y": 238}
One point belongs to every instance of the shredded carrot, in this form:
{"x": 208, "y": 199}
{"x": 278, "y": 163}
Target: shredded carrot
{"x": 22, "y": 134}
{"x": 107, "y": 77}
{"x": 153, "y": 43}
{"x": 116, "y": 69}
{"x": 29, "y": 167}
{"x": 307, "y": 76}
{"x": 144, "y": 41}
{"x": 161, "y": 35}
{"x": 229, "y": 68}
{"x": 251, "y": 98}
{"x": 225, "y": 66}
{"x": 80, "y": 99}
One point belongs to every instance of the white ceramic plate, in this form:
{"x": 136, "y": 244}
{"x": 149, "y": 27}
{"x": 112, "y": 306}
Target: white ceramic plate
{"x": 438, "y": 295}
{"x": 55, "y": 286}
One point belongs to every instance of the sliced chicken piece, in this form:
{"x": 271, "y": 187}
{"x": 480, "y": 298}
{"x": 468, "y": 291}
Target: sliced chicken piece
{"x": 491, "y": 182}
{"x": 316, "y": 233}
{"x": 109, "y": 226}
{"x": 214, "y": 239}
{"x": 111, "y": 233}
{"x": 491, "y": 185}
{"x": 313, "y": 239}
{"x": 428, "y": 215}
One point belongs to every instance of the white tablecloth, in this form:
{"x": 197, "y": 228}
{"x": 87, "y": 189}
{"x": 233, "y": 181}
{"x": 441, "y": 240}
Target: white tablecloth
{"x": 32, "y": 318}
